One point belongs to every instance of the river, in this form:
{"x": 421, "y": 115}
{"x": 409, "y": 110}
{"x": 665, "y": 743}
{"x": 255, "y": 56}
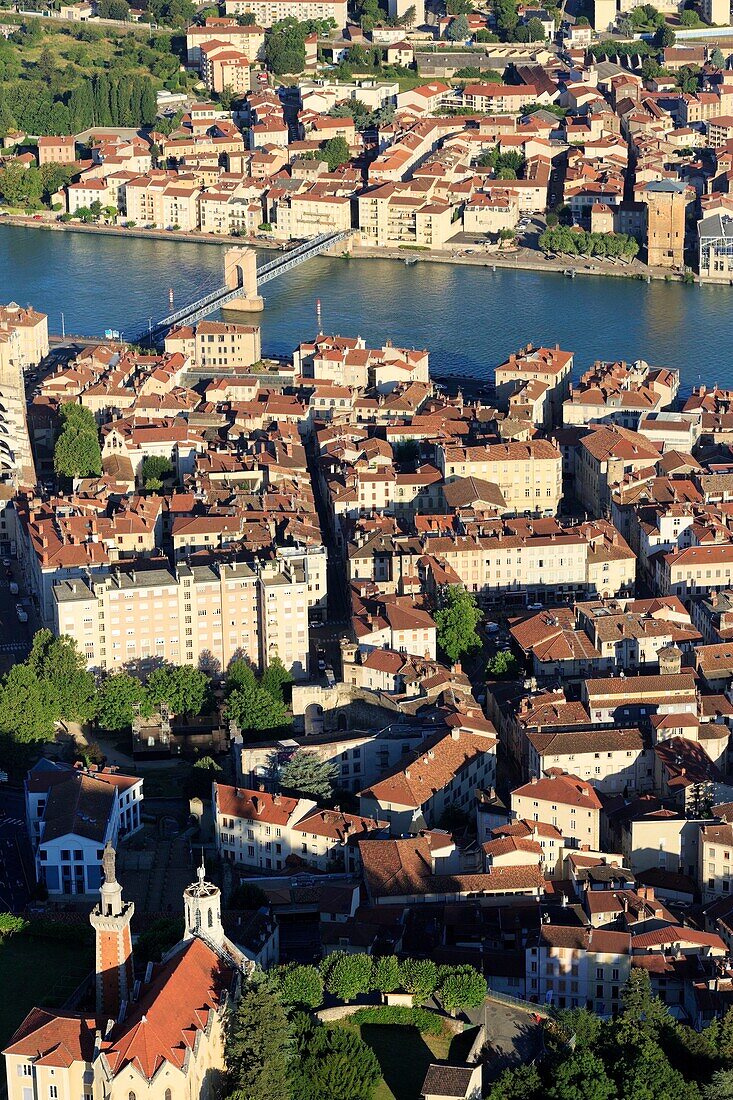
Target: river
{"x": 470, "y": 318}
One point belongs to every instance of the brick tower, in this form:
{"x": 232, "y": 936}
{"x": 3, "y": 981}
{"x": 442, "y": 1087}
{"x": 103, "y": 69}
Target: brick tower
{"x": 110, "y": 920}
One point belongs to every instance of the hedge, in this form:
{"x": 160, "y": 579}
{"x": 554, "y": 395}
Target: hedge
{"x": 400, "y": 1016}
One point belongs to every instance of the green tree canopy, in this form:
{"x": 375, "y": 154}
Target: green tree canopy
{"x": 309, "y": 775}
{"x": 154, "y": 471}
{"x": 253, "y": 708}
{"x": 503, "y": 666}
{"x": 240, "y": 674}
{"x": 185, "y": 689}
{"x": 457, "y": 29}
{"x": 386, "y": 973}
{"x": 274, "y": 679}
{"x": 347, "y": 976}
{"x": 456, "y": 622}
{"x": 204, "y": 772}
{"x": 582, "y": 1077}
{"x": 418, "y": 976}
{"x": 461, "y": 987}
{"x": 77, "y": 452}
{"x": 29, "y": 707}
{"x": 336, "y": 152}
{"x": 299, "y": 986}
{"x": 117, "y": 699}
{"x": 258, "y": 1048}
{"x": 58, "y": 663}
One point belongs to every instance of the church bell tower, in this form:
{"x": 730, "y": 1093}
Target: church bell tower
{"x": 110, "y": 920}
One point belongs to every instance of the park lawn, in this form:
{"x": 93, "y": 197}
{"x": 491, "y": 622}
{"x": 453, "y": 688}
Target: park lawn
{"x": 404, "y": 1056}
{"x": 37, "y": 972}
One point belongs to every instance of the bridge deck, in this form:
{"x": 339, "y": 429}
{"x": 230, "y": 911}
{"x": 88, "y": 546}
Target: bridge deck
{"x": 219, "y": 298}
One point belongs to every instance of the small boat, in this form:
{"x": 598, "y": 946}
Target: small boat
{"x": 410, "y": 261}
{"x": 570, "y": 272}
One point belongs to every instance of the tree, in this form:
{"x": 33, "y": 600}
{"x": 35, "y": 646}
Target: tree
{"x": 505, "y": 14}
{"x": 643, "y": 1014}
{"x": 536, "y": 30}
{"x": 28, "y": 706}
{"x": 522, "y": 1083}
{"x": 77, "y": 452}
{"x": 347, "y": 1069}
{"x": 503, "y": 666}
{"x": 456, "y": 622}
{"x": 720, "y": 1087}
{"x": 253, "y": 708}
{"x": 689, "y": 18}
{"x": 347, "y": 976}
{"x": 285, "y": 47}
{"x": 664, "y": 36}
{"x": 114, "y": 9}
{"x": 386, "y": 973}
{"x": 185, "y": 689}
{"x": 240, "y": 674}
{"x": 418, "y": 976}
{"x": 650, "y": 68}
{"x": 58, "y": 663}
{"x": 204, "y": 772}
{"x": 118, "y": 700}
{"x": 459, "y": 7}
{"x": 336, "y": 152}
{"x": 645, "y": 1074}
{"x": 462, "y": 987}
{"x": 309, "y": 775}
{"x": 154, "y": 470}
{"x": 300, "y": 986}
{"x": 582, "y": 1077}
{"x": 274, "y": 679}
{"x": 257, "y": 1048}
{"x": 247, "y": 895}
{"x": 717, "y": 59}
{"x": 10, "y": 925}
{"x": 457, "y": 30}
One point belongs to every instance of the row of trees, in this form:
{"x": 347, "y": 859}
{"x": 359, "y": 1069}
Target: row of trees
{"x": 77, "y": 452}
{"x": 33, "y": 107}
{"x": 642, "y": 1054}
{"x": 347, "y": 977}
{"x": 577, "y": 242}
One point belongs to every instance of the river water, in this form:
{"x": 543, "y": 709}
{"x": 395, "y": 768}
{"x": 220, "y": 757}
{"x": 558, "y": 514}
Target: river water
{"x": 470, "y": 318}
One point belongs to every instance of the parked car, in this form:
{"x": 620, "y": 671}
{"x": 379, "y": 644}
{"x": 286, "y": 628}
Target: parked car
{"x": 14, "y": 588}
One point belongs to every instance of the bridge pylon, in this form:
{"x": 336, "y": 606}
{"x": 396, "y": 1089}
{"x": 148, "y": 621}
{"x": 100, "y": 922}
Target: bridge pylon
{"x": 240, "y": 270}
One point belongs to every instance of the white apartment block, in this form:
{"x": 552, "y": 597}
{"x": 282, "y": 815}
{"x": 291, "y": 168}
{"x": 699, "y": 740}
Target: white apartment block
{"x": 267, "y": 12}
{"x": 147, "y": 616}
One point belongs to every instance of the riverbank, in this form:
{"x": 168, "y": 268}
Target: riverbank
{"x": 520, "y": 259}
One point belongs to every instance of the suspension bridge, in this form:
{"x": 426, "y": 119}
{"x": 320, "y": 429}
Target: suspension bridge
{"x": 242, "y": 280}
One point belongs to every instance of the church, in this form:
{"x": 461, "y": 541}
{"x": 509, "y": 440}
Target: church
{"x": 157, "y": 1039}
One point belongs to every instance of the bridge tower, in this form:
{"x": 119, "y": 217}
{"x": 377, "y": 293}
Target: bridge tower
{"x": 240, "y": 269}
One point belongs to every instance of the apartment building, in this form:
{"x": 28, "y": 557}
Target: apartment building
{"x": 565, "y": 801}
{"x": 714, "y": 860}
{"x": 267, "y": 12}
{"x": 71, "y": 814}
{"x": 628, "y": 699}
{"x": 529, "y": 475}
{"x": 445, "y": 772}
{"x": 695, "y": 570}
{"x": 217, "y": 345}
{"x": 390, "y": 216}
{"x": 250, "y": 39}
{"x": 216, "y": 610}
{"x": 224, "y": 67}
{"x": 500, "y": 98}
{"x": 31, "y": 333}
{"x": 265, "y": 831}
{"x": 311, "y": 213}
{"x": 571, "y": 967}
{"x": 163, "y": 202}
{"x": 604, "y": 458}
{"x": 551, "y": 366}
{"x": 611, "y": 761}
{"x": 56, "y": 150}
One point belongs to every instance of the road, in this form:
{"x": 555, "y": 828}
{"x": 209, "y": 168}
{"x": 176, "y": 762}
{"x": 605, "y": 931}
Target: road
{"x": 513, "y": 1034}
{"x": 16, "y": 860}
{"x": 15, "y": 637}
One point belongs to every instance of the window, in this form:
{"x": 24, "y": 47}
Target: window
{"x": 53, "y": 1091}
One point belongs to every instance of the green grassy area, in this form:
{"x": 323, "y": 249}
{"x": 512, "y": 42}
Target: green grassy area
{"x": 404, "y": 1056}
{"x": 37, "y": 972}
